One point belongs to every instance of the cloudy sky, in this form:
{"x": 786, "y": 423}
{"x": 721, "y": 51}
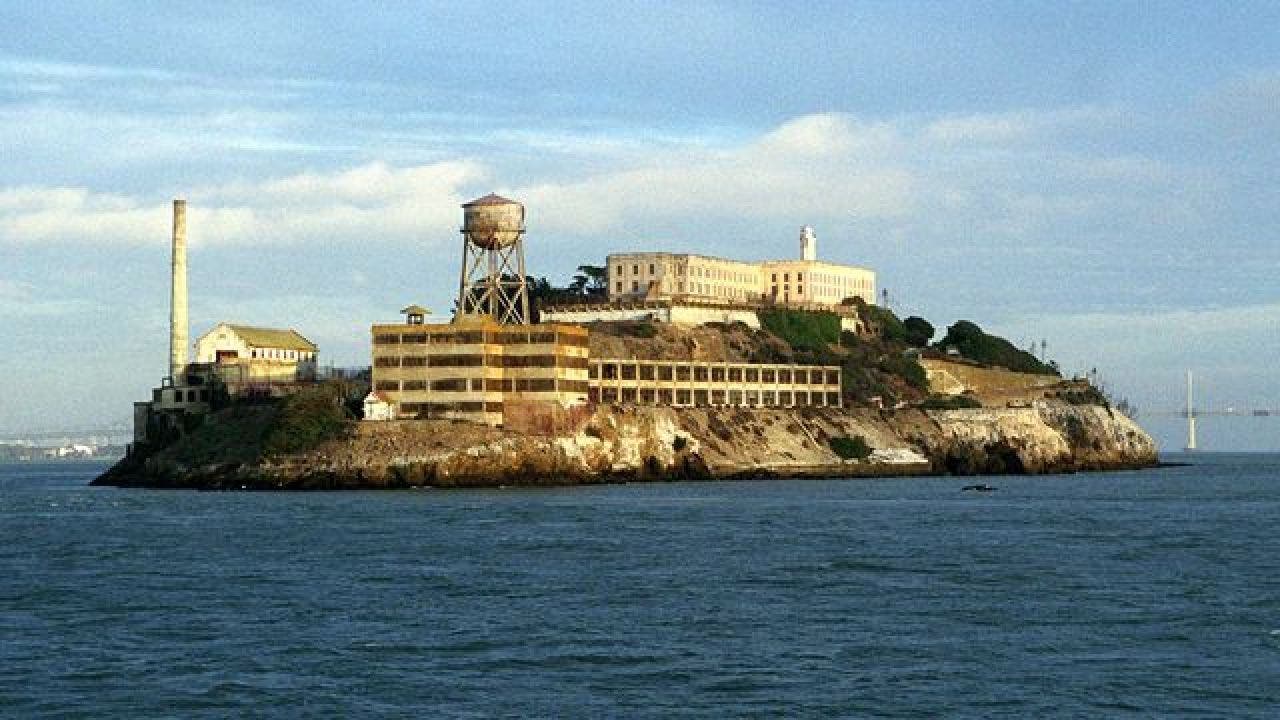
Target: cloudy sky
{"x": 1105, "y": 177}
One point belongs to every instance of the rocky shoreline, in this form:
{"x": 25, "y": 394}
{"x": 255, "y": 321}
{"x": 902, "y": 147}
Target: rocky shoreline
{"x": 629, "y": 444}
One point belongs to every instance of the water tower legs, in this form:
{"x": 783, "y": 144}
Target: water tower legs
{"x": 493, "y": 282}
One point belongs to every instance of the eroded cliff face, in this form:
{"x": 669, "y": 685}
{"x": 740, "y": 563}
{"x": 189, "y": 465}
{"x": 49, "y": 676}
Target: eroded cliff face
{"x": 664, "y": 443}
{"x": 1047, "y": 437}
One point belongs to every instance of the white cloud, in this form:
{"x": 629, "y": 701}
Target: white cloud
{"x": 815, "y": 166}
{"x": 370, "y": 202}
{"x": 19, "y": 300}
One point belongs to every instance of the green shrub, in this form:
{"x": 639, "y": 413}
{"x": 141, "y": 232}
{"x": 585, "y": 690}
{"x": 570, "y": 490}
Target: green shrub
{"x": 882, "y": 321}
{"x": 906, "y": 368}
{"x": 974, "y": 344}
{"x": 638, "y": 328}
{"x": 306, "y": 419}
{"x": 918, "y": 331}
{"x": 801, "y": 329}
{"x": 950, "y": 402}
{"x": 850, "y": 448}
{"x": 1086, "y": 396}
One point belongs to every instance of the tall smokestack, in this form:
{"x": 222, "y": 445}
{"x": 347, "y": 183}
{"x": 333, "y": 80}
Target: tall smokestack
{"x": 178, "y": 296}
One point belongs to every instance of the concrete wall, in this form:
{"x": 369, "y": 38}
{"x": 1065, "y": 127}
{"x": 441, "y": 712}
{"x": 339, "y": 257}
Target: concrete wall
{"x": 668, "y": 312}
{"x": 950, "y": 377}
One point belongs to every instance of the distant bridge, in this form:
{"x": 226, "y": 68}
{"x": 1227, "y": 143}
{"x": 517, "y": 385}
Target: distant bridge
{"x": 1225, "y": 412}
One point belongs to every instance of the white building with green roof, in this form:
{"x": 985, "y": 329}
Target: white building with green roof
{"x": 249, "y": 356}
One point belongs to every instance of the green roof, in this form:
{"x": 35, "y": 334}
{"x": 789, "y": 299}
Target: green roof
{"x": 273, "y": 338}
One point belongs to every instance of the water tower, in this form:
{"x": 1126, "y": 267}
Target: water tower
{"x": 493, "y": 281}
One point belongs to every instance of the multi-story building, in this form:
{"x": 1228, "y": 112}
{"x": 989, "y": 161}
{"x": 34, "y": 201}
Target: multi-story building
{"x": 676, "y": 276}
{"x": 685, "y": 383}
{"x": 478, "y": 369}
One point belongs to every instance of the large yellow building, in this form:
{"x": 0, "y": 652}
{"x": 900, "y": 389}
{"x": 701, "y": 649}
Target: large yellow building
{"x": 478, "y": 369}
{"x": 677, "y": 276}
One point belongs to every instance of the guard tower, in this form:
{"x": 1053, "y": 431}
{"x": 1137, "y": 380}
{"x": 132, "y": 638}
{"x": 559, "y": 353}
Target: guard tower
{"x": 493, "y": 281}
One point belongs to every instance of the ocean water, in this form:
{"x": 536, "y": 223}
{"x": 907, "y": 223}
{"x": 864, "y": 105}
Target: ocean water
{"x": 1145, "y": 594}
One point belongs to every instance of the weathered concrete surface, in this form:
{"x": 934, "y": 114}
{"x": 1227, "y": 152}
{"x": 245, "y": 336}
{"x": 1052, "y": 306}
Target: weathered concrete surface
{"x": 663, "y": 443}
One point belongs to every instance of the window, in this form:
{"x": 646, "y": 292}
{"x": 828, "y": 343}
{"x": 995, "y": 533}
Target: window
{"x": 635, "y": 286}
{"x": 619, "y": 270}
{"x": 799, "y": 277}
{"x": 650, "y": 268}
{"x": 619, "y": 286}
{"x": 635, "y": 269}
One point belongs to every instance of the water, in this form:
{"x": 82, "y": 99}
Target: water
{"x": 1126, "y": 594}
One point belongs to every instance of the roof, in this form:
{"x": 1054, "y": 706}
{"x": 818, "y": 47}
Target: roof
{"x": 377, "y": 396}
{"x": 415, "y": 310}
{"x": 272, "y": 338}
{"x": 491, "y": 199}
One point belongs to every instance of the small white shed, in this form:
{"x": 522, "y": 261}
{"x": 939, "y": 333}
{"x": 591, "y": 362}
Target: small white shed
{"x": 378, "y": 407}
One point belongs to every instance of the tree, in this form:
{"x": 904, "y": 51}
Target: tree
{"x": 918, "y": 331}
{"x": 974, "y": 344}
{"x": 595, "y": 279}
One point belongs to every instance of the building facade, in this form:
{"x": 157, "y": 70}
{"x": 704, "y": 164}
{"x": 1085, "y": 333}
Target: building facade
{"x": 246, "y": 357}
{"x": 713, "y": 384}
{"x": 479, "y": 370}
{"x": 804, "y": 281}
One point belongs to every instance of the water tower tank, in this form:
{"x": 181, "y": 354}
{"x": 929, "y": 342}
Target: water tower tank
{"x": 492, "y": 221}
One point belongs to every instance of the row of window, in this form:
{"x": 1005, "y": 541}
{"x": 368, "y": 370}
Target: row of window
{"x": 278, "y": 354}
{"x": 707, "y": 398}
{"x": 499, "y": 361}
{"x": 710, "y": 273}
{"x": 541, "y": 337}
{"x": 181, "y": 396}
{"x": 426, "y": 410}
{"x": 503, "y": 385}
{"x": 713, "y": 373}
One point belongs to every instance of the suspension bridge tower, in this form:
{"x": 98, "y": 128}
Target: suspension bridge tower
{"x": 1191, "y": 416}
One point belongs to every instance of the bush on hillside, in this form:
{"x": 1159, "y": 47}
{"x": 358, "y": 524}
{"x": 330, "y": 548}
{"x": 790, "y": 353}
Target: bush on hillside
{"x": 880, "y": 320}
{"x": 974, "y": 344}
{"x": 906, "y": 368}
{"x": 308, "y": 418}
{"x": 950, "y": 402}
{"x": 918, "y": 331}
{"x": 801, "y": 329}
{"x": 850, "y": 448}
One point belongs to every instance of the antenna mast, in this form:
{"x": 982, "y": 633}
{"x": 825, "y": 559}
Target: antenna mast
{"x": 1191, "y": 417}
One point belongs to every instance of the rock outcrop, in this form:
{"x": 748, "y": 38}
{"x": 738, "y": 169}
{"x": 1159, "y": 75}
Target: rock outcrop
{"x": 649, "y": 443}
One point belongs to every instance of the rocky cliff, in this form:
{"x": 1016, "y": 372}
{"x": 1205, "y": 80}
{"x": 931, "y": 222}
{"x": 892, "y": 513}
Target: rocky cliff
{"x": 636, "y": 443}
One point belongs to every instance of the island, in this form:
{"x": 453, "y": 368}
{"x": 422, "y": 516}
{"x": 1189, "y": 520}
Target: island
{"x": 652, "y": 367}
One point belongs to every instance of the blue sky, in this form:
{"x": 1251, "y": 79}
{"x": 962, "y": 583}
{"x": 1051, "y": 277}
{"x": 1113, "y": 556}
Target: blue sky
{"x": 1102, "y": 176}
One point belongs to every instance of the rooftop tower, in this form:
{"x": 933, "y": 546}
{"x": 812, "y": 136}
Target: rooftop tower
{"x": 808, "y": 244}
{"x": 493, "y": 278}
